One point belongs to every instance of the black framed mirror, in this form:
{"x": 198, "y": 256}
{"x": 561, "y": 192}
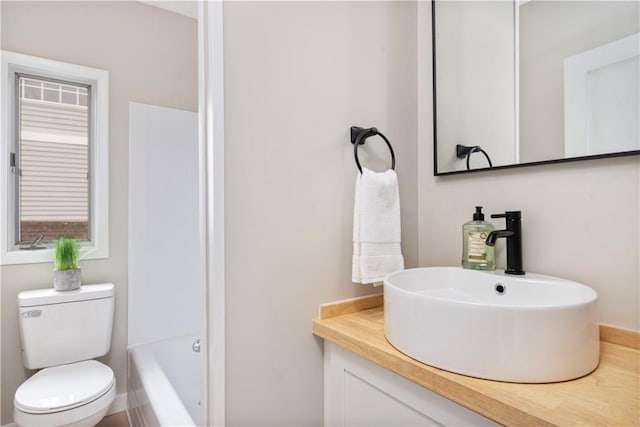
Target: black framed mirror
{"x": 530, "y": 82}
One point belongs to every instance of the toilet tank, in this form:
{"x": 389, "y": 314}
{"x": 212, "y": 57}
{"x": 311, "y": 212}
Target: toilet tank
{"x": 65, "y": 327}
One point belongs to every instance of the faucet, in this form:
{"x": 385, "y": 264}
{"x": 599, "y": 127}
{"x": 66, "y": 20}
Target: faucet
{"x": 35, "y": 244}
{"x": 513, "y": 235}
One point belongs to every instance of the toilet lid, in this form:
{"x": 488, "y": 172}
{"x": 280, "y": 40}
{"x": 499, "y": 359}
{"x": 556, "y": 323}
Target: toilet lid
{"x": 64, "y": 387}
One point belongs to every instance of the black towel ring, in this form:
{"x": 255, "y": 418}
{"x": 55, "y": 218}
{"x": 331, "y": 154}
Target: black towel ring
{"x": 359, "y": 136}
{"x": 463, "y": 151}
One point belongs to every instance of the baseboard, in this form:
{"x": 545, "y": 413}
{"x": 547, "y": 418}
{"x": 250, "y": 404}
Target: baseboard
{"x": 119, "y": 404}
{"x": 10, "y": 425}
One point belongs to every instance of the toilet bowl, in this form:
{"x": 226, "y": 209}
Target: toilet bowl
{"x": 76, "y": 394}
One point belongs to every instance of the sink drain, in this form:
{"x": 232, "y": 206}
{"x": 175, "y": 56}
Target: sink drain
{"x": 500, "y": 288}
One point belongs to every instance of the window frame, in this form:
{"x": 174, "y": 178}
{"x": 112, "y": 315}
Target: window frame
{"x": 13, "y": 63}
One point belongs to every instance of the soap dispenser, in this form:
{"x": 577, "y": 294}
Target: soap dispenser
{"x": 476, "y": 255}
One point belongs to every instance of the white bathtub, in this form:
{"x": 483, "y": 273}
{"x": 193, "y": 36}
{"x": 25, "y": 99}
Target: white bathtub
{"x": 165, "y": 384}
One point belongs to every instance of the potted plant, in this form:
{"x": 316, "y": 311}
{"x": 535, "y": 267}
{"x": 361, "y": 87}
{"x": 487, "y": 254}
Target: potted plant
{"x": 66, "y": 273}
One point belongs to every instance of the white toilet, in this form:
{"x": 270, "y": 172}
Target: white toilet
{"x": 60, "y": 333}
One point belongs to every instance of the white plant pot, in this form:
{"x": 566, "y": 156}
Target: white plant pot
{"x": 67, "y": 280}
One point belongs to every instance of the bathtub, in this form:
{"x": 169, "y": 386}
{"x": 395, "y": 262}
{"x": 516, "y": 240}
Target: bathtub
{"x": 165, "y": 383}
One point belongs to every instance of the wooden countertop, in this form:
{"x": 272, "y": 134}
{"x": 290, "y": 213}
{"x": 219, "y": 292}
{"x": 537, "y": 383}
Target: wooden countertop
{"x": 609, "y": 396}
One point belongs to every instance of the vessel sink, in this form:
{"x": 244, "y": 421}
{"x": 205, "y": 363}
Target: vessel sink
{"x": 525, "y": 329}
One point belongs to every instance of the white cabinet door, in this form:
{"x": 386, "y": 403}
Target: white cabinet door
{"x": 359, "y": 393}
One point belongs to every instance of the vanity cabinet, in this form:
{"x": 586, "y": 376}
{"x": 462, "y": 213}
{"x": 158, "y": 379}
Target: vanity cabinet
{"x": 358, "y": 392}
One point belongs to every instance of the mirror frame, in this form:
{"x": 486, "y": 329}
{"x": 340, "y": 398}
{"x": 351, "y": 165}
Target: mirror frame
{"x": 510, "y": 166}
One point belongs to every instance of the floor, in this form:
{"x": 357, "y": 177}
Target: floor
{"x": 115, "y": 420}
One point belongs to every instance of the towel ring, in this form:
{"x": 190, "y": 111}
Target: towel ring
{"x": 359, "y": 136}
{"x": 463, "y": 151}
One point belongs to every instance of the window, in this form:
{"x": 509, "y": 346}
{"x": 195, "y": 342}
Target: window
{"x": 50, "y": 161}
{"x": 54, "y": 158}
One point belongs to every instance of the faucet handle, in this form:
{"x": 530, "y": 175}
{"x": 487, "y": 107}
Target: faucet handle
{"x": 509, "y": 215}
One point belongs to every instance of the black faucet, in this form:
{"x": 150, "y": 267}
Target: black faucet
{"x": 513, "y": 234}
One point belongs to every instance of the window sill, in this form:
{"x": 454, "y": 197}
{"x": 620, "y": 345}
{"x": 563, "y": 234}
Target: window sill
{"x": 39, "y": 256}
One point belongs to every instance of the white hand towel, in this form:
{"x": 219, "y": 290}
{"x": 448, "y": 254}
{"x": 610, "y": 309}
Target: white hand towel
{"x": 376, "y": 227}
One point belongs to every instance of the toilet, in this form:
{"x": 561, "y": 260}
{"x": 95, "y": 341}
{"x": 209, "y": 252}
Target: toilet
{"x": 60, "y": 333}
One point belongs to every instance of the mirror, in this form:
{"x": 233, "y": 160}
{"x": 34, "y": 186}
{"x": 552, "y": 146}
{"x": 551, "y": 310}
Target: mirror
{"x": 530, "y": 82}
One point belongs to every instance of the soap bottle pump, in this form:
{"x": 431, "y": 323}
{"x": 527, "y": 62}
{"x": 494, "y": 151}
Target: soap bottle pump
{"x": 476, "y": 255}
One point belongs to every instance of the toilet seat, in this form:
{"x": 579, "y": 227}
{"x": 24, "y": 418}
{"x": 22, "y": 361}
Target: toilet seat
{"x": 82, "y": 416}
{"x": 64, "y": 387}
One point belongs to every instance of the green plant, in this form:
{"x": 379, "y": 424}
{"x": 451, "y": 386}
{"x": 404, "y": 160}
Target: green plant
{"x": 66, "y": 253}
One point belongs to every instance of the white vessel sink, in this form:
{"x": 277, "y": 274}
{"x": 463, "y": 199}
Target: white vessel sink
{"x": 526, "y": 329}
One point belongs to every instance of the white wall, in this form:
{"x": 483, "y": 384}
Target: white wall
{"x": 297, "y": 76}
{"x": 580, "y": 220}
{"x": 166, "y": 272}
{"x": 151, "y": 56}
